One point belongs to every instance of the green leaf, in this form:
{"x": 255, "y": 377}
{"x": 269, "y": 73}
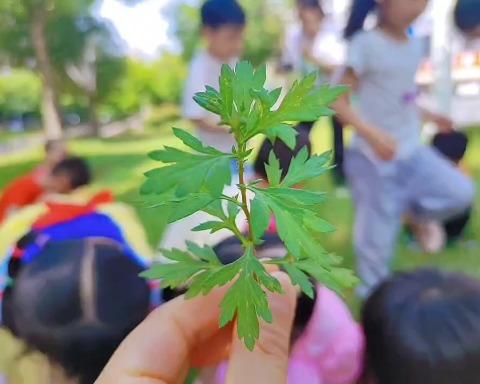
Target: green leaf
{"x": 187, "y": 173}
{"x": 194, "y": 143}
{"x": 284, "y": 132}
{"x": 291, "y": 208}
{"x": 274, "y": 173}
{"x": 299, "y": 278}
{"x": 303, "y": 168}
{"x": 247, "y": 301}
{"x": 233, "y": 210}
{"x": 261, "y": 217}
{"x": 193, "y": 180}
{"x": 212, "y": 226}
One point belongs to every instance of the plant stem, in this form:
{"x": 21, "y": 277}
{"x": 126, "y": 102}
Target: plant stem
{"x": 243, "y": 190}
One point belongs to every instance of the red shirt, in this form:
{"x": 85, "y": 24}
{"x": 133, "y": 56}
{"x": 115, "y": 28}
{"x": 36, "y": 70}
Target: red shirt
{"x": 21, "y": 192}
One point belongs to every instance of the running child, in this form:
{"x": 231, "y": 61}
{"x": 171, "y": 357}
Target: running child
{"x": 390, "y": 172}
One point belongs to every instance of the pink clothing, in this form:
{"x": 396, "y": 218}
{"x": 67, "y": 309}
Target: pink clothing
{"x": 330, "y": 350}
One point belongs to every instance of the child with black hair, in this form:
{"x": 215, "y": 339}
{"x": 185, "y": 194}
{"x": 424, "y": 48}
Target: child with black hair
{"x": 389, "y": 170}
{"x": 73, "y": 209}
{"x": 28, "y": 189}
{"x": 74, "y": 302}
{"x": 69, "y": 175}
{"x": 315, "y": 44}
{"x": 223, "y": 24}
{"x": 423, "y": 327}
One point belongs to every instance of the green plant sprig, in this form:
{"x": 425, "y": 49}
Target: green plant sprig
{"x": 193, "y": 181}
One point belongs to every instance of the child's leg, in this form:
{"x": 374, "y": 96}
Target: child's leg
{"x": 378, "y": 202}
{"x": 438, "y": 190}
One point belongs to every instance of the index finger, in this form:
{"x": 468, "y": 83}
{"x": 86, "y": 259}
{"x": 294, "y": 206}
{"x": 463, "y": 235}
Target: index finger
{"x": 158, "y": 350}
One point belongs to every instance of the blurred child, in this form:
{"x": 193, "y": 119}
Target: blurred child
{"x": 223, "y": 24}
{"x": 74, "y": 210}
{"x": 75, "y": 302}
{"x": 67, "y": 176}
{"x": 315, "y": 45}
{"x": 389, "y": 170}
{"x": 28, "y": 189}
{"x": 423, "y": 328}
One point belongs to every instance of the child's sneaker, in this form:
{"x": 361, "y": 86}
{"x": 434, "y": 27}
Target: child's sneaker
{"x": 430, "y": 235}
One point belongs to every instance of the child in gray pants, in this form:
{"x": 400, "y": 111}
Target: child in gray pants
{"x": 391, "y": 173}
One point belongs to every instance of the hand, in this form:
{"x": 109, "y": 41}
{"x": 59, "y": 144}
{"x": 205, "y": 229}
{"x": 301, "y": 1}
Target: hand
{"x": 383, "y": 144}
{"x": 185, "y": 333}
{"x": 444, "y": 124}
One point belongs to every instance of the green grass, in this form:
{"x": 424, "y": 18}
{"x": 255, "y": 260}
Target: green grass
{"x": 119, "y": 164}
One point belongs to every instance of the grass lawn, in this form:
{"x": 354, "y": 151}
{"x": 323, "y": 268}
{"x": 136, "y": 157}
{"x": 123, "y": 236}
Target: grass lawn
{"x": 119, "y": 165}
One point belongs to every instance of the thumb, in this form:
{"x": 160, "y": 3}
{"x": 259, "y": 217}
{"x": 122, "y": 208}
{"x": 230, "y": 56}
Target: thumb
{"x": 268, "y": 363}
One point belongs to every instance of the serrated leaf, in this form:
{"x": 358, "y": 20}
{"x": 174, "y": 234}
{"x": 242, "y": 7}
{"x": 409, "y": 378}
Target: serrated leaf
{"x": 299, "y": 278}
{"x": 290, "y": 207}
{"x": 232, "y": 209}
{"x": 205, "y": 282}
{"x": 187, "y": 207}
{"x": 304, "y": 168}
{"x": 194, "y": 143}
{"x": 209, "y": 226}
{"x": 334, "y": 277}
{"x": 188, "y": 173}
{"x": 206, "y": 254}
{"x": 284, "y": 132}
{"x": 261, "y": 217}
{"x": 274, "y": 173}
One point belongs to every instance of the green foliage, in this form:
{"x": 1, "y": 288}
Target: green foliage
{"x": 145, "y": 84}
{"x": 193, "y": 180}
{"x": 20, "y": 93}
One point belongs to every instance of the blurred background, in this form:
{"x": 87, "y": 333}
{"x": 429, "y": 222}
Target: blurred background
{"x": 108, "y": 75}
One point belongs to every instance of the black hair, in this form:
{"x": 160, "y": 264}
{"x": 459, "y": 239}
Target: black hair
{"x": 76, "y": 169}
{"x": 452, "y": 145}
{"x": 219, "y": 13}
{"x": 423, "y": 327}
{"x": 76, "y": 302}
{"x": 467, "y": 15}
{"x": 310, "y": 4}
{"x": 283, "y": 153}
{"x": 358, "y": 14}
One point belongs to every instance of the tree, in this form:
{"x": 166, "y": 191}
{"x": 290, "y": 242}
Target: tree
{"x": 37, "y": 33}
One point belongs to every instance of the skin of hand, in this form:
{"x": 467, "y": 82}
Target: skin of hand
{"x": 443, "y": 123}
{"x": 381, "y": 142}
{"x": 185, "y": 333}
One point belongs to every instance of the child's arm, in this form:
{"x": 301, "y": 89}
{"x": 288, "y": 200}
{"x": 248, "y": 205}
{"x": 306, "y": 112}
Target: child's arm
{"x": 207, "y": 125}
{"x": 443, "y": 123}
{"x": 382, "y": 143}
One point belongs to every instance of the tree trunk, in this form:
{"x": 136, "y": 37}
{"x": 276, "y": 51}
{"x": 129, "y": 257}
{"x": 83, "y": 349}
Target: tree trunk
{"x": 94, "y": 122}
{"x": 51, "y": 117}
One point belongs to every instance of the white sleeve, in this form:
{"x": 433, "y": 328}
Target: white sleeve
{"x": 195, "y": 83}
{"x": 357, "y": 54}
{"x": 292, "y": 50}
